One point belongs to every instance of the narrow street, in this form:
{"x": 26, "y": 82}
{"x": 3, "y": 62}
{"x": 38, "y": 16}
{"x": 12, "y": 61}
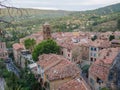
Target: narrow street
{"x": 2, "y": 83}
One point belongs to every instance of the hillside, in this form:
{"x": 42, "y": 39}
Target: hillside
{"x": 93, "y": 20}
{"x": 107, "y": 10}
{"x": 27, "y": 21}
{"x": 33, "y": 12}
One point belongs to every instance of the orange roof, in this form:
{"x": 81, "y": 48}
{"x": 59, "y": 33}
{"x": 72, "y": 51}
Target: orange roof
{"x": 100, "y": 71}
{"x": 75, "y": 84}
{"x": 17, "y": 46}
{"x": 57, "y": 67}
{"x": 67, "y": 44}
{"x": 48, "y": 59}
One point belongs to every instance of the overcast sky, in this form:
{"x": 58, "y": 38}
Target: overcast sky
{"x": 77, "y": 5}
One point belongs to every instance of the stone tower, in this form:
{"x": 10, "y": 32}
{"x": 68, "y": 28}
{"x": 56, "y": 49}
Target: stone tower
{"x": 46, "y": 31}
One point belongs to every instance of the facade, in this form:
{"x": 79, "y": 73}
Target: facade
{"x": 100, "y": 70}
{"x": 95, "y": 47}
{"x": 16, "y": 52}
{"x": 3, "y": 51}
{"x": 72, "y": 51}
{"x": 74, "y": 48}
{"x": 56, "y": 70}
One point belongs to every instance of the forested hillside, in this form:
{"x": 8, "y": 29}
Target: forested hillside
{"x": 26, "y": 21}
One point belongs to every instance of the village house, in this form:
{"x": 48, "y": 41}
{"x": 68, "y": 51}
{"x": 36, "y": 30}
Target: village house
{"x": 56, "y": 70}
{"x": 75, "y": 84}
{"x": 95, "y": 47}
{"x": 3, "y": 51}
{"x": 116, "y": 34}
{"x": 115, "y": 43}
{"x": 64, "y": 41}
{"x": 99, "y": 71}
{"x": 85, "y": 53}
{"x": 16, "y": 52}
{"x": 67, "y": 48}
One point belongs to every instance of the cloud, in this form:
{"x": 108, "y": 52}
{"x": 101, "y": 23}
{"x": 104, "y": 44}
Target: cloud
{"x": 63, "y": 4}
{"x": 44, "y": 8}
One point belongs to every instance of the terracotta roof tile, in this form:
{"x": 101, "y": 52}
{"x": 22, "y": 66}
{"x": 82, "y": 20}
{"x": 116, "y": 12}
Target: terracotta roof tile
{"x": 57, "y": 67}
{"x": 17, "y": 46}
{"x": 75, "y": 84}
{"x": 115, "y": 41}
{"x": 100, "y": 43}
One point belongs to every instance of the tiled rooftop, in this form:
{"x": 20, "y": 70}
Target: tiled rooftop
{"x": 75, "y": 84}
{"x": 100, "y": 43}
{"x": 115, "y": 41}
{"x": 57, "y": 67}
{"x": 17, "y": 46}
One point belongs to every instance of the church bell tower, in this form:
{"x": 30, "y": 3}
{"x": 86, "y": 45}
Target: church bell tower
{"x": 46, "y": 31}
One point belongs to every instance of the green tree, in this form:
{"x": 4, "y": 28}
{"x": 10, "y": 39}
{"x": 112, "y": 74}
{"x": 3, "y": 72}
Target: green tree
{"x": 94, "y": 38}
{"x": 111, "y": 37}
{"x": 29, "y": 44}
{"x": 118, "y": 24}
{"x": 46, "y": 46}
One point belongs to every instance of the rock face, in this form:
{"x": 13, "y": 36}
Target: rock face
{"x": 114, "y": 74}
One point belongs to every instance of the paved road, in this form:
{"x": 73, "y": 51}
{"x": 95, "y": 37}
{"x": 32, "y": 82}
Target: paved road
{"x": 2, "y": 83}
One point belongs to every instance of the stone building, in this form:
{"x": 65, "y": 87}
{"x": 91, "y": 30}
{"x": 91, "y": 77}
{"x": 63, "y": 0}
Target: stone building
{"x": 104, "y": 72}
{"x": 56, "y": 70}
{"x": 46, "y": 31}
{"x": 95, "y": 48}
{"x": 16, "y": 52}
